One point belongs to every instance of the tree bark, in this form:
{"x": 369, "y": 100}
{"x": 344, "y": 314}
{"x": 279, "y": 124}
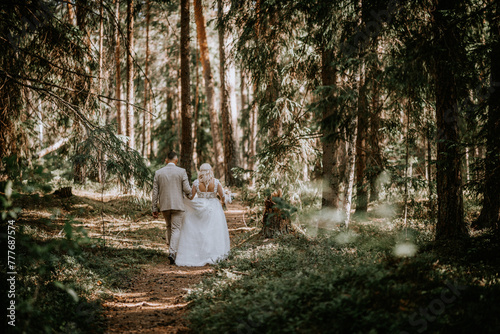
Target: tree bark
{"x": 351, "y": 163}
{"x": 330, "y": 142}
{"x": 230, "y": 158}
{"x": 243, "y": 100}
{"x": 186, "y": 158}
{"x": 130, "y": 75}
{"x": 118, "y": 75}
{"x": 100, "y": 154}
{"x": 450, "y": 224}
{"x": 361, "y": 184}
{"x": 375, "y": 158}
{"x": 146, "y": 119}
{"x": 252, "y": 161}
{"x": 53, "y": 147}
{"x": 209, "y": 87}
{"x": 275, "y": 222}
{"x": 254, "y": 108}
{"x": 490, "y": 212}
{"x": 81, "y": 14}
{"x": 80, "y": 169}
{"x": 273, "y": 85}
{"x": 196, "y": 157}
{"x": 233, "y": 101}
{"x": 430, "y": 183}
{"x": 362, "y": 121}
{"x": 101, "y": 50}
{"x": 71, "y": 13}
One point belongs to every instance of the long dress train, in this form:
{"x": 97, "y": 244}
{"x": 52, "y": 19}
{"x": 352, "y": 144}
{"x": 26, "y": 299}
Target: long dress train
{"x": 204, "y": 237}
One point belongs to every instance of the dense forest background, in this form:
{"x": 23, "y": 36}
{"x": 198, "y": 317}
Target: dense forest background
{"x": 347, "y": 109}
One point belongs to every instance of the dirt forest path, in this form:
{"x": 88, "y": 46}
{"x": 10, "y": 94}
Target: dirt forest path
{"x": 154, "y": 301}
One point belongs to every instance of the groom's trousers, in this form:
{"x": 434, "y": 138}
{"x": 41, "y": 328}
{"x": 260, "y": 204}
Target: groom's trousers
{"x": 174, "y": 219}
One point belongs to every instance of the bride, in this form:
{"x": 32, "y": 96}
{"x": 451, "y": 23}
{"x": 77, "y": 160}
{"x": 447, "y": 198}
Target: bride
{"x": 204, "y": 236}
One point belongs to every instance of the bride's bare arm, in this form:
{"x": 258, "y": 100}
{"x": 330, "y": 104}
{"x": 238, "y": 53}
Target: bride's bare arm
{"x": 220, "y": 191}
{"x": 193, "y": 192}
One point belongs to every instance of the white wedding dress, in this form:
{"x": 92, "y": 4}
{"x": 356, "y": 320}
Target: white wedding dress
{"x": 204, "y": 237}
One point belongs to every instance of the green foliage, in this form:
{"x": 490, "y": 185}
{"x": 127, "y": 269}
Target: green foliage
{"x": 339, "y": 283}
{"x": 26, "y": 176}
{"x": 119, "y": 160}
{"x": 52, "y": 293}
{"x": 21, "y": 178}
{"x": 167, "y": 139}
{"x": 44, "y": 62}
{"x": 204, "y": 143}
{"x": 6, "y": 197}
{"x": 63, "y": 276}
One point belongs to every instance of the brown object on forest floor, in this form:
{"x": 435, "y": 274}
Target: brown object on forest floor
{"x": 275, "y": 222}
{"x": 64, "y": 192}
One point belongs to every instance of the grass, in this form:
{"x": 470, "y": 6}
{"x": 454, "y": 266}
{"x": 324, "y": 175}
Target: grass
{"x": 381, "y": 276}
{"x": 338, "y": 282}
{"x": 68, "y": 265}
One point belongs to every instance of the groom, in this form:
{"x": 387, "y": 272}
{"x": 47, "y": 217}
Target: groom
{"x": 168, "y": 185}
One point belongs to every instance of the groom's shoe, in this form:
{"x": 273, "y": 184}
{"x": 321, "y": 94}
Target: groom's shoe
{"x": 171, "y": 259}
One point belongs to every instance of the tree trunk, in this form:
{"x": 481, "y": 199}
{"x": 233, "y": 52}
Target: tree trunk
{"x": 101, "y": 51}
{"x": 209, "y": 87}
{"x": 146, "y": 120}
{"x": 80, "y": 169}
{"x": 432, "y": 208}
{"x": 275, "y": 222}
{"x": 60, "y": 143}
{"x": 252, "y": 161}
{"x": 71, "y": 13}
{"x": 81, "y": 14}
{"x": 177, "y": 114}
{"x": 196, "y": 157}
{"x": 233, "y": 100}
{"x": 450, "y": 224}
{"x": 361, "y": 184}
{"x": 330, "y": 142}
{"x": 490, "y": 212}
{"x": 230, "y": 158}
{"x": 407, "y": 158}
{"x": 118, "y": 75}
{"x": 171, "y": 117}
{"x": 254, "y": 108}
{"x": 101, "y": 155}
{"x": 273, "y": 85}
{"x": 186, "y": 158}
{"x": 130, "y": 75}
{"x": 243, "y": 96}
{"x": 363, "y": 115}
{"x": 375, "y": 159}
{"x": 351, "y": 163}
{"x": 40, "y": 121}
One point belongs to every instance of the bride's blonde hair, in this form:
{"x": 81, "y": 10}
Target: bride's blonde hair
{"x": 206, "y": 174}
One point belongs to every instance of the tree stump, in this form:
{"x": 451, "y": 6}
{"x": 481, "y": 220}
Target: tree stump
{"x": 275, "y": 221}
{"x": 64, "y": 192}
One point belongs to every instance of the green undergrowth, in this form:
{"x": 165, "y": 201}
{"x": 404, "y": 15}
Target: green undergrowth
{"x": 63, "y": 276}
{"x": 371, "y": 281}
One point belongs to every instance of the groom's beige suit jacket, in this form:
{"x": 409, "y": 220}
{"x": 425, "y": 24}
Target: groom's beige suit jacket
{"x": 168, "y": 185}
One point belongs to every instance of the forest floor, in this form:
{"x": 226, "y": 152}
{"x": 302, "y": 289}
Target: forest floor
{"x": 154, "y": 302}
{"x": 118, "y": 261}
{"x": 98, "y": 263}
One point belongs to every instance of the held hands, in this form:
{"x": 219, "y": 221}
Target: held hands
{"x": 228, "y": 196}
{"x": 155, "y": 215}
